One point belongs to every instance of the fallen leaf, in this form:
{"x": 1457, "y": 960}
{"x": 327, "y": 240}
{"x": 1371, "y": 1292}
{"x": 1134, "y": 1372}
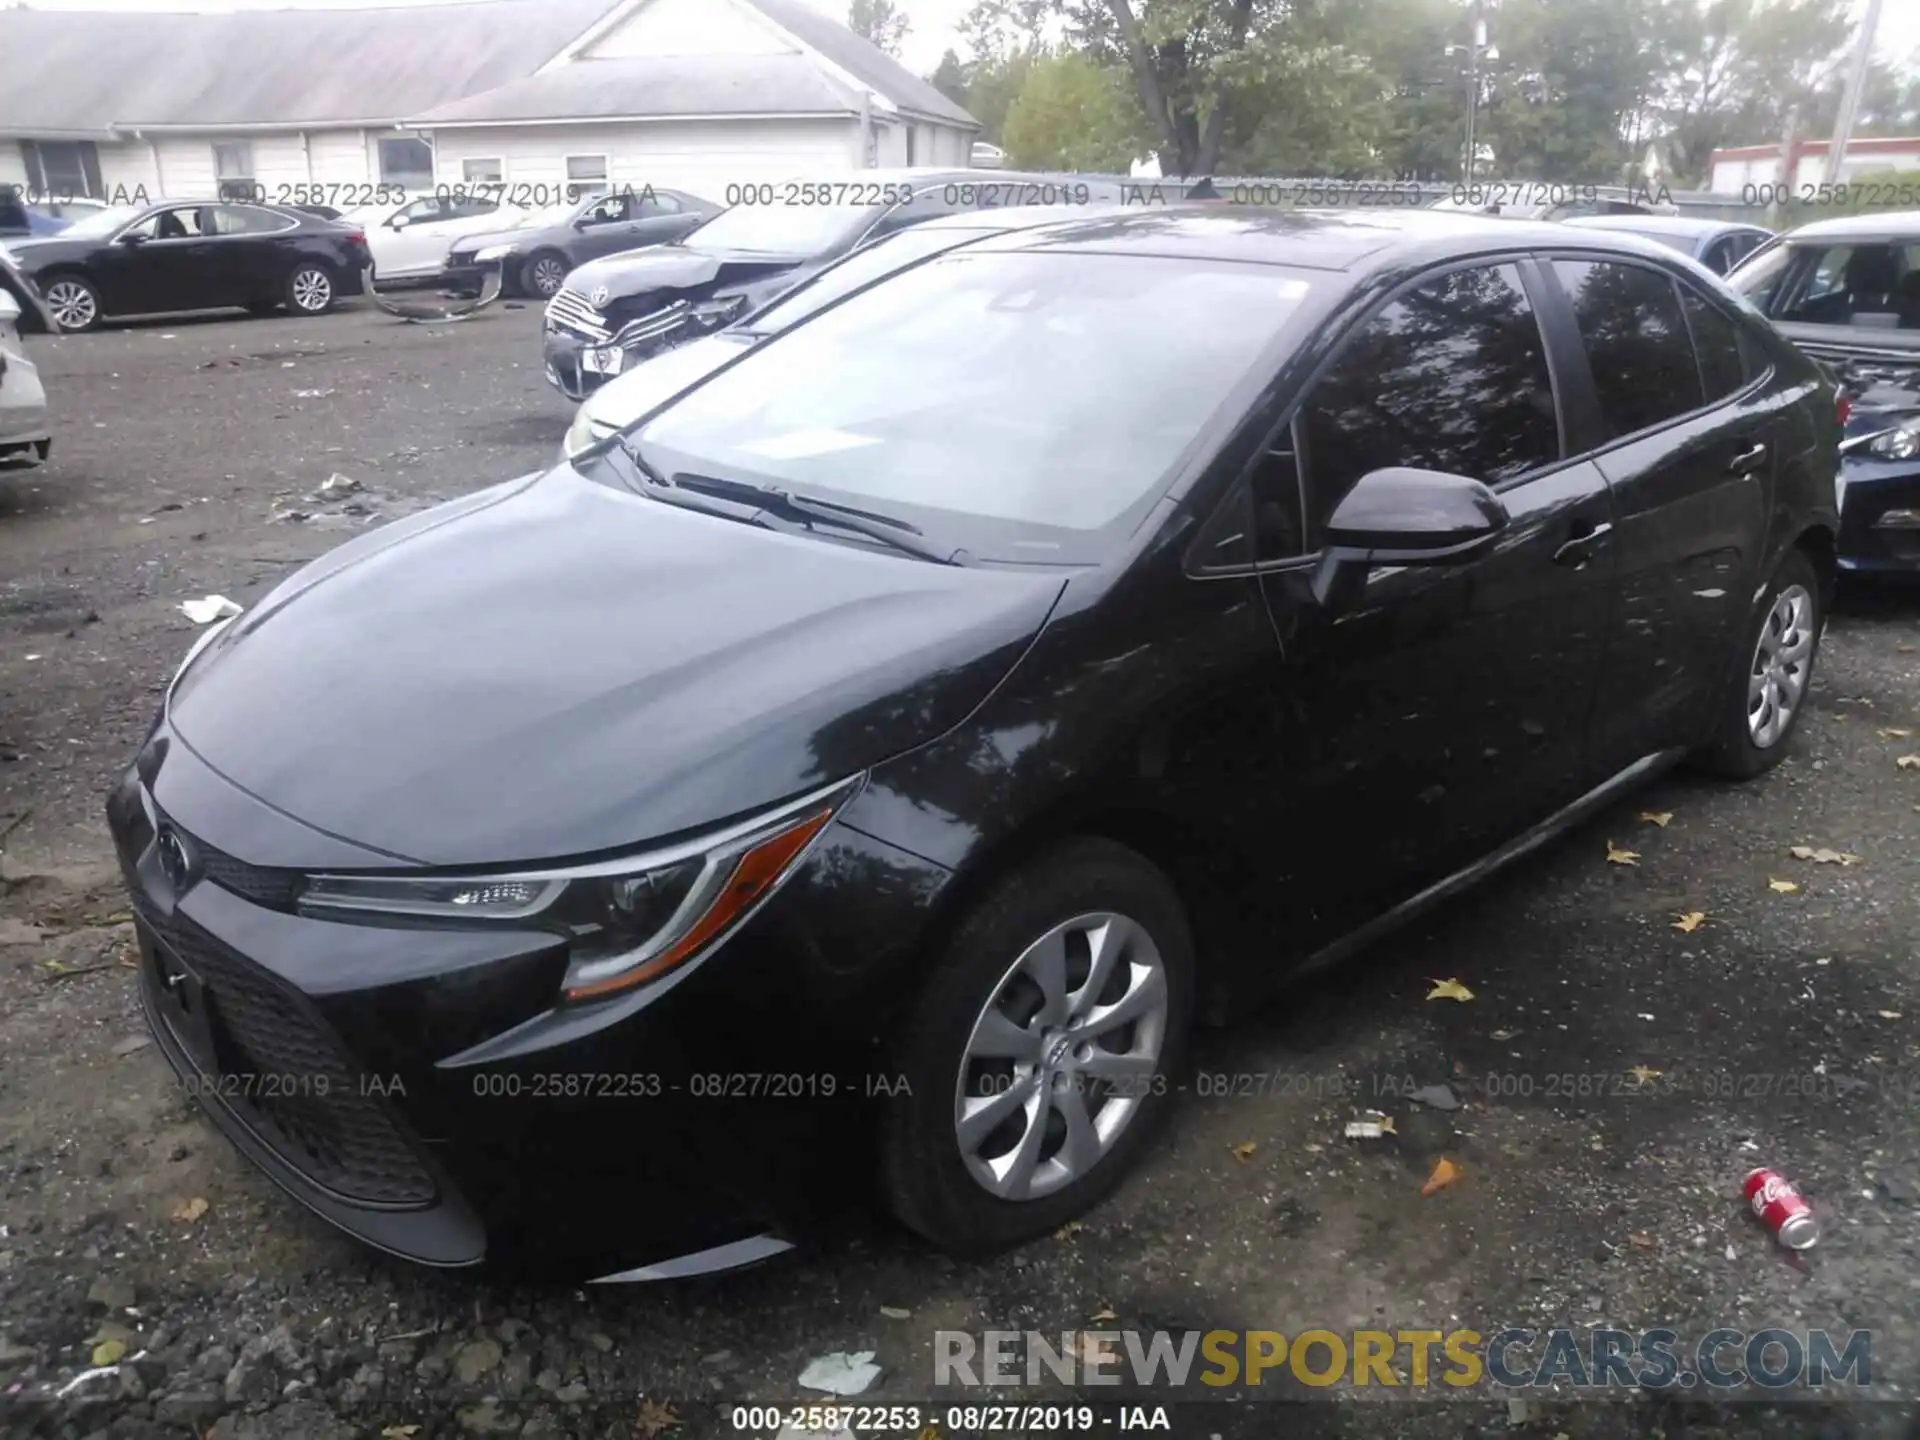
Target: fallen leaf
{"x": 1640, "y": 1242}
{"x": 1908, "y": 762}
{"x": 1641, "y": 1074}
{"x": 1244, "y": 1150}
{"x": 1889, "y": 1014}
{"x": 1662, "y": 818}
{"x": 656, "y": 1418}
{"x": 1504, "y": 1034}
{"x": 398, "y": 1432}
{"x": 1386, "y": 1125}
{"x": 1617, "y": 856}
{"x": 1101, "y": 1315}
{"x": 190, "y": 1210}
{"x": 1825, "y": 856}
{"x": 1313, "y": 1149}
{"x": 1069, "y": 1230}
{"x": 1892, "y": 734}
{"x": 1783, "y": 887}
{"x": 1449, "y": 990}
{"x": 108, "y": 1352}
{"x": 1444, "y": 1174}
{"x": 894, "y": 1312}
{"x": 1691, "y": 921}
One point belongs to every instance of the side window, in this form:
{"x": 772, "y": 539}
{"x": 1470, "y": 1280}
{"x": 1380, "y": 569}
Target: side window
{"x": 247, "y": 220}
{"x": 1451, "y": 376}
{"x": 1717, "y": 343}
{"x": 652, "y": 205}
{"x": 607, "y": 211}
{"x": 1636, "y": 339}
{"x": 462, "y": 206}
{"x": 421, "y": 211}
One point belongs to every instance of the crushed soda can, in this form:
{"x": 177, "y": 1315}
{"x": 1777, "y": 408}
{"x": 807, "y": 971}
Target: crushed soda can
{"x": 1371, "y": 1125}
{"x": 1781, "y": 1208}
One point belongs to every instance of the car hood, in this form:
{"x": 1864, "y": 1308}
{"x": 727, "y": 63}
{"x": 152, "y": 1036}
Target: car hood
{"x": 562, "y": 667}
{"x": 674, "y": 267}
{"x": 31, "y": 252}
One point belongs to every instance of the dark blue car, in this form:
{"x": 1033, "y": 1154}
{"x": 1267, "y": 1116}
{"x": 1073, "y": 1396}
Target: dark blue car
{"x": 1717, "y": 244}
{"x": 1847, "y": 292}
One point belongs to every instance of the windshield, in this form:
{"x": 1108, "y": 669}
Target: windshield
{"x": 783, "y": 229}
{"x": 101, "y": 223}
{"x": 1048, "y": 390}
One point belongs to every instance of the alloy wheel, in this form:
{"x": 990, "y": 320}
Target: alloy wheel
{"x": 1061, "y": 1056}
{"x": 72, "y": 304}
{"x": 546, "y": 277}
{"x": 1782, "y": 661}
{"x": 312, "y": 291}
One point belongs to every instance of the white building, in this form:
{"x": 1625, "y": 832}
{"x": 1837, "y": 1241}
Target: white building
{"x": 538, "y": 94}
{"x": 1734, "y": 170}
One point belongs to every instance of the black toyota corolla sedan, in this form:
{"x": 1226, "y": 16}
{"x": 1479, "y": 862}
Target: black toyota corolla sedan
{"x": 854, "y": 777}
{"x": 194, "y": 255}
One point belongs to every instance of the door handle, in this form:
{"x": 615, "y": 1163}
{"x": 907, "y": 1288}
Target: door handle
{"x": 1578, "y": 550}
{"x": 1748, "y": 461}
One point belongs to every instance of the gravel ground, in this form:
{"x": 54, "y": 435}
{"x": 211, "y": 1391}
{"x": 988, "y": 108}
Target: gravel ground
{"x": 1776, "y": 1031}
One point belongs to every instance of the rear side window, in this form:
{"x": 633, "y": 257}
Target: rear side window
{"x": 1636, "y": 339}
{"x": 1716, "y": 341}
{"x": 1451, "y": 376}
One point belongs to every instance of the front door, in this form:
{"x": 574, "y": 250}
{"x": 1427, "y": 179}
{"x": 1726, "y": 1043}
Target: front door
{"x": 1447, "y": 708}
{"x": 605, "y": 228}
{"x": 166, "y": 262}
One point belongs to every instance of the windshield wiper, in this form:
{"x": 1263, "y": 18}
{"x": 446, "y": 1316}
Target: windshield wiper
{"x": 890, "y": 531}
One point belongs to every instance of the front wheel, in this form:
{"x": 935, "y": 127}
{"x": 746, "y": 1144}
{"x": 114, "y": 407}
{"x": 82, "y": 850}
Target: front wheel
{"x": 1769, "y": 692}
{"x": 1042, "y": 1050}
{"x": 542, "y": 276}
{"x": 74, "y": 302}
{"x": 310, "y": 290}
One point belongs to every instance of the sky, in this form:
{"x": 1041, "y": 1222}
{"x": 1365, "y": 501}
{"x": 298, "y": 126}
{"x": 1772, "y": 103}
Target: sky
{"x": 934, "y": 21}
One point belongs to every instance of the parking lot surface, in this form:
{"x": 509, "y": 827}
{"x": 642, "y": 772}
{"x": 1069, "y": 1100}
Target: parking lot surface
{"x": 1617, "y": 1068}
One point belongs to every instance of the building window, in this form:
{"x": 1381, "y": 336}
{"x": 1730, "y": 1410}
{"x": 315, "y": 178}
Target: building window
{"x": 233, "y": 170}
{"x": 407, "y": 163}
{"x": 482, "y": 172}
{"x": 586, "y": 175}
{"x": 62, "y": 169}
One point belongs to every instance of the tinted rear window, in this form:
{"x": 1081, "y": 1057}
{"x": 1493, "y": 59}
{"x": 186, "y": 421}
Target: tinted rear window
{"x": 1636, "y": 339}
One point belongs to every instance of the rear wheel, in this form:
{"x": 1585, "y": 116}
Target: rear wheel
{"x": 1769, "y": 693}
{"x": 310, "y": 290}
{"x": 1040, "y": 1054}
{"x": 74, "y": 302}
{"x": 543, "y": 274}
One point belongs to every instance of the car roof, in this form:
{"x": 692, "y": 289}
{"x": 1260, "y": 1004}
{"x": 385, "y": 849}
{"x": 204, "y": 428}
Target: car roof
{"x": 1687, "y": 225}
{"x": 1339, "y": 240}
{"x": 1888, "y": 225}
{"x": 1013, "y": 217}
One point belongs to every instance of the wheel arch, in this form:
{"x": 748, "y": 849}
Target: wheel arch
{"x": 71, "y": 270}
{"x": 1820, "y": 545}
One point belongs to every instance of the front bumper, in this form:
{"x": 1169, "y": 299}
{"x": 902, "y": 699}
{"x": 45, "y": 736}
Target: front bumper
{"x": 469, "y": 277}
{"x": 419, "y": 1088}
{"x": 578, "y": 364}
{"x": 1879, "y": 503}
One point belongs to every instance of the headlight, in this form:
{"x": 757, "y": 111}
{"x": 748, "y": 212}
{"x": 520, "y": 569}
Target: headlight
{"x": 584, "y": 431}
{"x": 715, "y": 313}
{"x": 492, "y": 252}
{"x": 1899, "y": 444}
{"x": 629, "y": 921}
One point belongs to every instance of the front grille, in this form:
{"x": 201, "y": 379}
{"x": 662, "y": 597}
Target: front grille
{"x": 263, "y": 886}
{"x": 288, "y": 1077}
{"x": 569, "y": 310}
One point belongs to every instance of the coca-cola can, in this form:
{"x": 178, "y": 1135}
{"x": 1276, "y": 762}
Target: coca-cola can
{"x": 1781, "y": 1208}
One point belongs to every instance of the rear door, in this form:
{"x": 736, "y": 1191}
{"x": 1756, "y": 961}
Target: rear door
{"x": 1665, "y": 397}
{"x": 604, "y": 228}
{"x": 253, "y": 254}
{"x": 1448, "y": 709}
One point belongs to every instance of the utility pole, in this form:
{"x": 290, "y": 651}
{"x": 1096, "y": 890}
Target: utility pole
{"x": 1856, "y": 86}
{"x": 1477, "y": 50}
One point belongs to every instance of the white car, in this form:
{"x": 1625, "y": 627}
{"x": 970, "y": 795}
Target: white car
{"x": 24, "y": 436}
{"x": 409, "y": 241}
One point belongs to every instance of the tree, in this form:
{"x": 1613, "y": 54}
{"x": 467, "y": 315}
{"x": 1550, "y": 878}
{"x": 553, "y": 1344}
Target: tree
{"x": 1071, "y": 114}
{"x": 879, "y": 21}
{"x": 950, "y": 78}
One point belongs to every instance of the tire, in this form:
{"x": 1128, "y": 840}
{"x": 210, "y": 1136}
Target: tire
{"x": 926, "y": 1179}
{"x": 74, "y": 301}
{"x": 310, "y": 289}
{"x": 1781, "y": 644}
{"x": 543, "y": 273}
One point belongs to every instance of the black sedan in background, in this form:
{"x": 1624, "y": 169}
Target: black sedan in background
{"x": 534, "y": 258}
{"x": 1847, "y": 292}
{"x": 614, "y": 313}
{"x": 869, "y": 763}
{"x": 1717, "y": 244}
{"x": 194, "y": 255}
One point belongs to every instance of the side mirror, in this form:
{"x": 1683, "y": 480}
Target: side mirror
{"x": 399, "y": 222}
{"x": 135, "y": 238}
{"x": 1402, "y": 516}
{"x": 9, "y": 308}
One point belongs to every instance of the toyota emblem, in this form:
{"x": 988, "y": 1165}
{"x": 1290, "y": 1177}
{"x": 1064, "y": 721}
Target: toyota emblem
{"x": 175, "y": 861}
{"x": 600, "y": 296}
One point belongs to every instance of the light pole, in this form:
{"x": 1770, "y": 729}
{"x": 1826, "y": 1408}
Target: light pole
{"x": 1477, "y": 50}
{"x": 1850, "y": 102}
